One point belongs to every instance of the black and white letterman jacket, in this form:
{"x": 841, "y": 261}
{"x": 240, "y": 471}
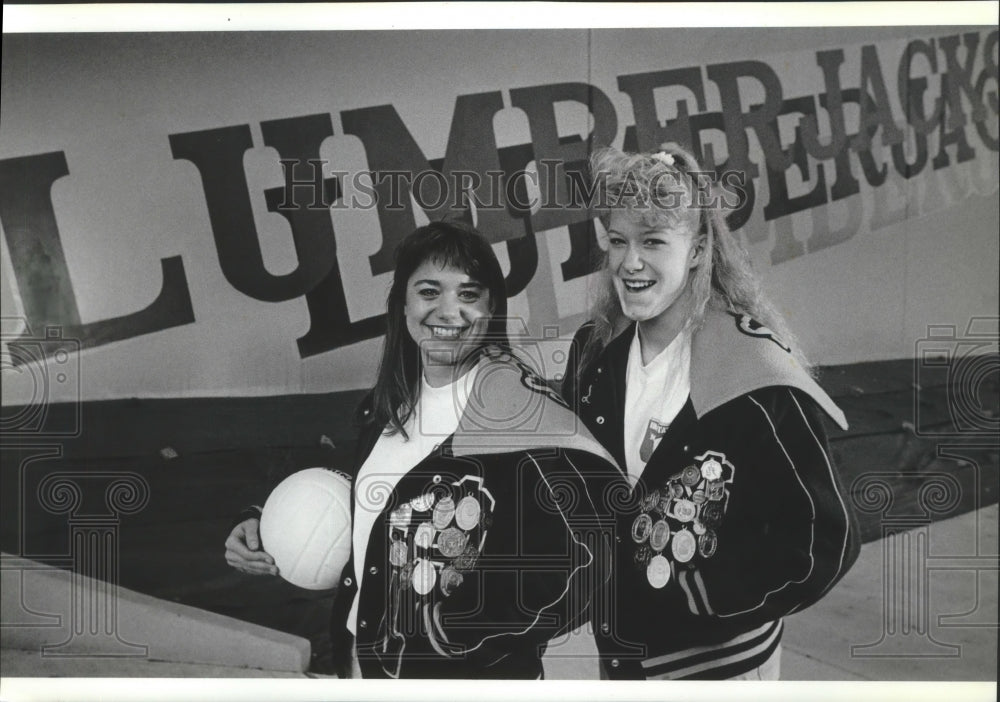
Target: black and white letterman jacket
{"x": 487, "y": 548}
{"x": 738, "y": 518}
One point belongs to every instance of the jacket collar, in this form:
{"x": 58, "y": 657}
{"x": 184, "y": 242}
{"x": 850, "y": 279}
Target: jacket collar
{"x": 512, "y": 408}
{"x": 731, "y": 355}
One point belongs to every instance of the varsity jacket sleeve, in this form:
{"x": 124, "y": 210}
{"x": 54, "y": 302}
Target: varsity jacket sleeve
{"x": 788, "y": 533}
{"x": 542, "y": 560}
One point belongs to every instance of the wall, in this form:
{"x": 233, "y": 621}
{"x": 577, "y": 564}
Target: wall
{"x": 136, "y": 172}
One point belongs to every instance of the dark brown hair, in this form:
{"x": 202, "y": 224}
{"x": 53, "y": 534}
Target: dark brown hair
{"x": 397, "y": 387}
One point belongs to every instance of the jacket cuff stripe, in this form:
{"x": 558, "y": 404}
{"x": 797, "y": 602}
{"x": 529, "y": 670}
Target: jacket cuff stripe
{"x": 737, "y": 665}
{"x": 693, "y": 661}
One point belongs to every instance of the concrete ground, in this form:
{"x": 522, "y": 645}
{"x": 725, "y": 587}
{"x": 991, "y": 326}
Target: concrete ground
{"x": 918, "y": 605}
{"x": 878, "y": 623}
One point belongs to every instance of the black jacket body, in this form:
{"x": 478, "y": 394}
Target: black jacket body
{"x": 744, "y": 481}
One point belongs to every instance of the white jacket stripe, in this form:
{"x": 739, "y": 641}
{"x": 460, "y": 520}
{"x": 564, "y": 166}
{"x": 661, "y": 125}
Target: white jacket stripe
{"x": 812, "y": 517}
{"x": 679, "y": 656}
{"x": 569, "y": 580}
{"x": 720, "y": 662}
{"x": 833, "y": 484}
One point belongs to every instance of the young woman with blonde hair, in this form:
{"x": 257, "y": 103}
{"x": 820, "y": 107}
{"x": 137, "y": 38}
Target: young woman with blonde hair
{"x": 691, "y": 379}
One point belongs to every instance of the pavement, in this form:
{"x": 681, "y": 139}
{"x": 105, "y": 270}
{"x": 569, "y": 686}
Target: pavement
{"x": 919, "y": 605}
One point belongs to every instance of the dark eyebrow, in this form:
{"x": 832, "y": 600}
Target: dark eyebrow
{"x": 428, "y": 281}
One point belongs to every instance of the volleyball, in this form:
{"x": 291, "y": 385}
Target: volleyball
{"x": 306, "y": 527}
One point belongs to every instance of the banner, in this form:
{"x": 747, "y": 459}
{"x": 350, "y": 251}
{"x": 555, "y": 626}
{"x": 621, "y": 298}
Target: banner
{"x": 215, "y": 213}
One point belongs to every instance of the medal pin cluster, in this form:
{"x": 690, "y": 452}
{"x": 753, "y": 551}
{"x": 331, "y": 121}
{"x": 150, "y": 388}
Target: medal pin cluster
{"x": 437, "y": 537}
{"x": 683, "y": 515}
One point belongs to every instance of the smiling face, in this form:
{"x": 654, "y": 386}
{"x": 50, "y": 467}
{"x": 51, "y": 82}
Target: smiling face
{"x": 650, "y": 267}
{"x": 447, "y": 314}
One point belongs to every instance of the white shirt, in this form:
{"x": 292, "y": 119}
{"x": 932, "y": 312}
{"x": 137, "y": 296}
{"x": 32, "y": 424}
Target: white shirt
{"x": 434, "y": 419}
{"x": 654, "y": 395}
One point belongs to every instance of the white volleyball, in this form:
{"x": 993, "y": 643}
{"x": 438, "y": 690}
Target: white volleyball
{"x": 306, "y": 527}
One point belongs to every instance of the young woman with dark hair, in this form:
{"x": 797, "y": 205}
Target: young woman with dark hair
{"x": 460, "y": 441}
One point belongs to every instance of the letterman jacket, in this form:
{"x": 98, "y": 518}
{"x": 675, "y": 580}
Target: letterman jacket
{"x": 490, "y": 546}
{"x": 738, "y": 518}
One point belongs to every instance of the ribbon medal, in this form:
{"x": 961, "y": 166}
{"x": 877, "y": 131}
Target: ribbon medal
{"x": 658, "y": 571}
{"x": 683, "y": 546}
{"x": 641, "y": 527}
{"x": 398, "y": 553}
{"x": 424, "y": 536}
{"x": 467, "y": 513}
{"x": 424, "y": 576}
{"x": 444, "y": 510}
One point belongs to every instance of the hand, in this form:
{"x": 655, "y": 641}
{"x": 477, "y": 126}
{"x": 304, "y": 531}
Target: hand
{"x": 243, "y": 551}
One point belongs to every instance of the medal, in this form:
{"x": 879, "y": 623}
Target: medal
{"x": 697, "y": 527}
{"x": 424, "y": 536}
{"x": 685, "y": 510}
{"x": 658, "y": 571}
{"x": 691, "y": 476}
{"x": 715, "y": 490}
{"x": 641, "y": 527}
{"x": 422, "y": 503}
{"x": 642, "y": 556}
{"x": 444, "y": 510}
{"x": 676, "y": 491}
{"x": 424, "y": 576}
{"x": 466, "y": 560}
{"x": 707, "y": 544}
{"x": 450, "y": 580}
{"x": 451, "y": 542}
{"x": 699, "y": 497}
{"x": 711, "y": 469}
{"x": 400, "y": 517}
{"x": 659, "y": 536}
{"x": 406, "y": 575}
{"x": 650, "y": 501}
{"x": 711, "y": 513}
{"x": 467, "y": 513}
{"x": 398, "y": 553}
{"x": 683, "y": 546}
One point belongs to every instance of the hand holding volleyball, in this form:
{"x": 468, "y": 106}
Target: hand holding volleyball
{"x": 243, "y": 551}
{"x": 306, "y": 527}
